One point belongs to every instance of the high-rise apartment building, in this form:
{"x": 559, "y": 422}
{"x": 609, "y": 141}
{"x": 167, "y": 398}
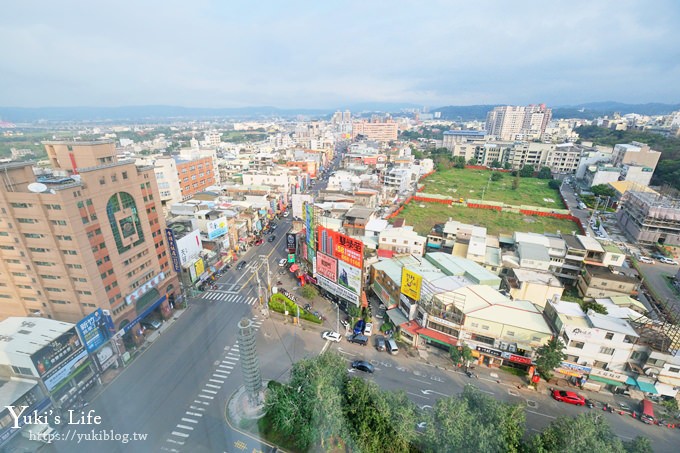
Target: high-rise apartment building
{"x": 510, "y": 122}
{"x": 195, "y": 175}
{"x": 86, "y": 233}
{"x": 382, "y": 131}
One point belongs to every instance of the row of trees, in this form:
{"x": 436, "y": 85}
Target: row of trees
{"x": 323, "y": 407}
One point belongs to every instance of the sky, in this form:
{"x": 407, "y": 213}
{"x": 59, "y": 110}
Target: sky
{"x": 328, "y": 54}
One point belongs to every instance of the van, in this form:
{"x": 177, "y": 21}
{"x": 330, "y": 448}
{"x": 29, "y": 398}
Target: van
{"x": 392, "y": 346}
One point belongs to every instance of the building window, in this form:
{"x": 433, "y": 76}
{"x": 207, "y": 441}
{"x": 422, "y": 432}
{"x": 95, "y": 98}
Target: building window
{"x": 607, "y": 351}
{"x": 609, "y": 336}
{"x": 23, "y": 220}
{"x": 125, "y": 175}
{"x": 577, "y": 344}
{"x": 674, "y": 370}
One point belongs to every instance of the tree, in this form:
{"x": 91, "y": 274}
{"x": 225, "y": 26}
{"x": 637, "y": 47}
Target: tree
{"x": 527, "y": 171}
{"x": 353, "y": 311}
{"x": 459, "y": 162}
{"x": 309, "y": 408}
{"x": 507, "y": 166}
{"x": 639, "y": 445}
{"x": 496, "y": 176}
{"x": 549, "y": 356}
{"x": 603, "y": 190}
{"x": 473, "y": 422}
{"x": 443, "y": 163}
{"x": 515, "y": 181}
{"x": 460, "y": 354}
{"x": 554, "y": 184}
{"x": 472, "y": 161}
{"x": 544, "y": 173}
{"x": 592, "y": 305}
{"x": 309, "y": 292}
{"x": 588, "y": 431}
{"x": 495, "y": 163}
{"x": 378, "y": 421}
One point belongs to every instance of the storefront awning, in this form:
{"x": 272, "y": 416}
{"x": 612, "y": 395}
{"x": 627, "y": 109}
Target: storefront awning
{"x": 396, "y": 316}
{"x": 294, "y": 268}
{"x": 437, "y": 337}
{"x": 646, "y": 387}
{"x": 605, "y": 380}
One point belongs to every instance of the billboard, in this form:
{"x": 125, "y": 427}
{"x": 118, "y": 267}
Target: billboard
{"x": 411, "y": 284}
{"x": 217, "y": 228}
{"x": 199, "y": 266}
{"x": 342, "y": 247}
{"x": 172, "y": 248}
{"x": 349, "y": 277}
{"x": 92, "y": 330}
{"x": 49, "y": 358}
{"x": 337, "y": 290}
{"x": 327, "y": 266}
{"x": 188, "y": 247}
{"x": 291, "y": 241}
{"x": 309, "y": 225}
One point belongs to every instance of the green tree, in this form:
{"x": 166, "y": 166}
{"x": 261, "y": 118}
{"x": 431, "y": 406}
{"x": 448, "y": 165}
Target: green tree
{"x": 639, "y": 445}
{"x": 507, "y": 166}
{"x": 603, "y": 190}
{"x": 496, "y": 176}
{"x": 473, "y": 422}
{"x": 472, "y": 161}
{"x": 459, "y": 162}
{"x": 527, "y": 171}
{"x": 460, "y": 354}
{"x": 378, "y": 421}
{"x": 592, "y": 305}
{"x": 353, "y": 311}
{"x": 515, "y": 181}
{"x": 588, "y": 431}
{"x": 309, "y": 292}
{"x": 495, "y": 163}
{"x": 443, "y": 162}
{"x": 309, "y": 408}
{"x": 549, "y": 356}
{"x": 544, "y": 173}
{"x": 419, "y": 155}
{"x": 554, "y": 184}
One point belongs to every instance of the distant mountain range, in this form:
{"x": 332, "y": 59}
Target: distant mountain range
{"x": 590, "y": 110}
{"x": 152, "y": 113}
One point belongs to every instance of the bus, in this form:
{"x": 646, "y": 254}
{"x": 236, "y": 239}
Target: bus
{"x": 647, "y": 412}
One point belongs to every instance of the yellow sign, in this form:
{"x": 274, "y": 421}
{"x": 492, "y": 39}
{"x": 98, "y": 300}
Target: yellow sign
{"x": 410, "y": 284}
{"x": 198, "y": 265}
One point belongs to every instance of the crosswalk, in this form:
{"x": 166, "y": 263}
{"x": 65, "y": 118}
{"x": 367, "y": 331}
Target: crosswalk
{"x": 227, "y": 297}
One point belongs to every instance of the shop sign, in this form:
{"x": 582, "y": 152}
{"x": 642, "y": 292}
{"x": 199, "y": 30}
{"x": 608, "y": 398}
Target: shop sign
{"x": 290, "y": 242}
{"x": 411, "y": 283}
{"x": 172, "y": 248}
{"x": 92, "y": 330}
{"x": 517, "y": 358}
{"x": 139, "y": 292}
{"x": 443, "y": 322}
{"x": 488, "y": 351}
{"x": 609, "y": 375}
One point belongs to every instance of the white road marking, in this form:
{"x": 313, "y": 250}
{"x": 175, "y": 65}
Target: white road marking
{"x": 208, "y": 397}
{"x": 197, "y": 408}
{"x": 213, "y": 386}
{"x": 422, "y": 382}
{"x": 175, "y": 441}
{"x": 178, "y": 434}
{"x": 420, "y": 396}
{"x": 195, "y": 414}
{"x": 542, "y": 415}
{"x": 190, "y": 428}
{"x": 189, "y": 420}
{"x": 219, "y": 381}
{"x": 210, "y": 391}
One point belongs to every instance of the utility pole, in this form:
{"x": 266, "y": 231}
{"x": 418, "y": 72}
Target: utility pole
{"x": 337, "y": 319}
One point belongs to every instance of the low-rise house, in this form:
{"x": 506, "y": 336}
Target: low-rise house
{"x": 535, "y": 286}
{"x": 597, "y": 281}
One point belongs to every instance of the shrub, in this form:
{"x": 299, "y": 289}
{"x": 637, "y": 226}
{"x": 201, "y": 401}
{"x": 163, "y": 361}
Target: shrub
{"x": 279, "y": 303}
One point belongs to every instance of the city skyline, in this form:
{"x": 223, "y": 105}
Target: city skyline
{"x": 327, "y": 55}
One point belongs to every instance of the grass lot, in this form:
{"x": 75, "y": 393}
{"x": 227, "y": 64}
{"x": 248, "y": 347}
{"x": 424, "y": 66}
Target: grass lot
{"x": 495, "y": 222}
{"x": 467, "y": 183}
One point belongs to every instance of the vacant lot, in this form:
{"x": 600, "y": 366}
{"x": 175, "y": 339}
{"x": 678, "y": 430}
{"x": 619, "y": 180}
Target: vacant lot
{"x": 423, "y": 218}
{"x": 476, "y": 184}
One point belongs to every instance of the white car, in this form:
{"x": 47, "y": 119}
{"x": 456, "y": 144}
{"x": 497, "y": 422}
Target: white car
{"x": 368, "y": 329}
{"x": 331, "y": 336}
{"x": 668, "y": 261}
{"x": 285, "y": 214}
{"x": 282, "y": 262}
{"x": 644, "y": 259}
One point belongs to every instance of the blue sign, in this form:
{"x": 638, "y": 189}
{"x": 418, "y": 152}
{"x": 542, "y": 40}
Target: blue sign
{"x": 127, "y": 327}
{"x": 172, "y": 248}
{"x": 91, "y": 330}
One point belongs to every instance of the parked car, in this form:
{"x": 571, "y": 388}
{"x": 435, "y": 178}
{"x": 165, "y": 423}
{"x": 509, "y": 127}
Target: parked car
{"x": 363, "y": 366}
{"x": 568, "y": 397}
{"x": 359, "y": 339}
{"x": 368, "y": 329}
{"x": 272, "y": 226}
{"x": 331, "y": 336}
{"x": 285, "y": 214}
{"x": 359, "y": 327}
{"x": 241, "y": 265}
{"x": 151, "y": 323}
{"x": 644, "y": 259}
{"x": 344, "y": 323}
{"x": 282, "y": 262}
{"x": 271, "y": 238}
{"x": 666, "y": 260}
{"x": 259, "y": 241}
{"x": 380, "y": 343}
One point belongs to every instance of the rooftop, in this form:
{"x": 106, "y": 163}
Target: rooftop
{"x": 611, "y": 324}
{"x": 534, "y": 252}
{"x": 532, "y": 276}
{"x": 25, "y": 336}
